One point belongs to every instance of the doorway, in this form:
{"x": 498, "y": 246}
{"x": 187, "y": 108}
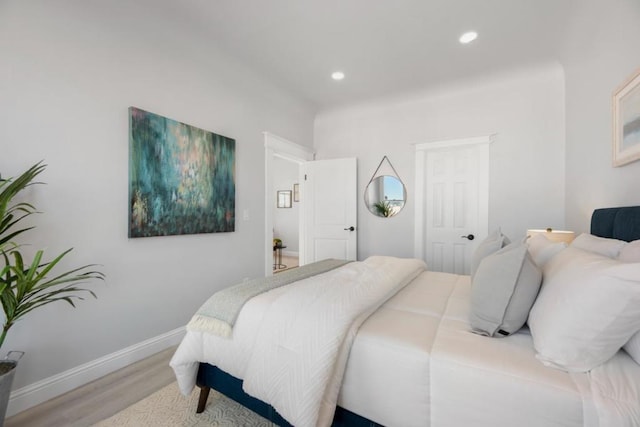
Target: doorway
{"x": 286, "y": 214}
{"x": 277, "y": 150}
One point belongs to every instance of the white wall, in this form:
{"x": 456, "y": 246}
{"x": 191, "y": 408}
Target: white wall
{"x": 601, "y": 53}
{"x": 69, "y": 70}
{"x": 286, "y": 220}
{"x": 525, "y": 108}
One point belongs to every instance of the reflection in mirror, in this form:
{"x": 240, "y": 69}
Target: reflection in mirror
{"x": 385, "y": 196}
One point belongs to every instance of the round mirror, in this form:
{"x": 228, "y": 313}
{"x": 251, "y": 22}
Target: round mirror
{"x": 385, "y": 196}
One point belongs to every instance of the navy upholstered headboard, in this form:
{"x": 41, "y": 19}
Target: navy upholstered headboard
{"x": 617, "y": 223}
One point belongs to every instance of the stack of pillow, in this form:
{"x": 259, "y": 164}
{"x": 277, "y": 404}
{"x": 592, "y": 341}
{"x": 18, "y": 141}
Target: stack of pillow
{"x": 585, "y": 310}
{"x": 505, "y": 282}
{"x": 589, "y": 304}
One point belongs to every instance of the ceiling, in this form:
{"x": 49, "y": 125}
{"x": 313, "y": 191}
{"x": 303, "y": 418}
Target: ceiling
{"x": 384, "y": 47}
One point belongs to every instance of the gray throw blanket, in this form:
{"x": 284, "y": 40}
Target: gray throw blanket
{"x": 219, "y": 313}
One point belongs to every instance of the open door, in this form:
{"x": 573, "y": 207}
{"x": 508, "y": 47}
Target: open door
{"x": 276, "y": 146}
{"x": 330, "y": 209}
{"x": 328, "y": 203}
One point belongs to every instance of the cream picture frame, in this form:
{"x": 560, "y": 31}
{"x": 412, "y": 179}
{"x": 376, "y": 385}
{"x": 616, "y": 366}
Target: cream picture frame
{"x": 626, "y": 121}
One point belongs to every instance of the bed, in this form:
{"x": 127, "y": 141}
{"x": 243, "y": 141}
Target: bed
{"x": 412, "y": 358}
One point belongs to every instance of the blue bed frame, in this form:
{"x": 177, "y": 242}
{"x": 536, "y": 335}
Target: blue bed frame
{"x": 618, "y": 223}
{"x": 212, "y": 377}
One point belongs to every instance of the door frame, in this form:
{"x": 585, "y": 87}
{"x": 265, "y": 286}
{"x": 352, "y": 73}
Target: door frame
{"x": 422, "y": 150}
{"x": 276, "y": 146}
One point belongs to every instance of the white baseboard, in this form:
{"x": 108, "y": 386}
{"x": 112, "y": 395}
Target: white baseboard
{"x": 41, "y": 391}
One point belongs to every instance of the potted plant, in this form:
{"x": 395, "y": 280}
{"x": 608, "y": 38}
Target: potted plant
{"x": 383, "y": 208}
{"x": 26, "y": 286}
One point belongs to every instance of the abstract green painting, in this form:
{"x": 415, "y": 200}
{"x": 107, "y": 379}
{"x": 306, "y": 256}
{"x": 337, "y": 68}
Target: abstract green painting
{"x": 181, "y": 178}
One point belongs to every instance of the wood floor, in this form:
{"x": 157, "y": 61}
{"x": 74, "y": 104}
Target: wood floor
{"x": 109, "y": 395}
{"x": 102, "y": 398}
{"x": 288, "y": 262}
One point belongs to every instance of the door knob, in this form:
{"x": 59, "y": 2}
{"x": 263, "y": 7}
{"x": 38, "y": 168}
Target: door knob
{"x": 352, "y": 228}
{"x": 470, "y": 237}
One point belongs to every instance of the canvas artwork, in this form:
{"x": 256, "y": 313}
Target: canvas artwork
{"x": 626, "y": 122}
{"x": 181, "y": 178}
{"x": 631, "y": 119}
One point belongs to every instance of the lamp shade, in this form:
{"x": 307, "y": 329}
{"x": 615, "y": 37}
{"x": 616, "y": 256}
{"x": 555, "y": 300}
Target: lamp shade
{"x": 554, "y": 235}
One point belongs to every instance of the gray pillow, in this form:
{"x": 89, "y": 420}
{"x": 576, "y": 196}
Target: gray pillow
{"x": 503, "y": 291}
{"x": 492, "y": 243}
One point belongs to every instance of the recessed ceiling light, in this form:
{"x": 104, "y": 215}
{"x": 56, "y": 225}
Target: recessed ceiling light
{"x": 337, "y": 75}
{"x": 468, "y": 37}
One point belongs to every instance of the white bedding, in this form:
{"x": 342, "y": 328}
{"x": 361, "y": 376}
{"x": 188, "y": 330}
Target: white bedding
{"x": 298, "y": 359}
{"x": 415, "y": 362}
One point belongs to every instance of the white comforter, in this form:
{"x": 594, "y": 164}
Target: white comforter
{"x": 297, "y": 359}
{"x": 414, "y": 362}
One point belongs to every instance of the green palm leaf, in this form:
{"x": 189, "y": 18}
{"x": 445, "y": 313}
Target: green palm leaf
{"x": 25, "y": 287}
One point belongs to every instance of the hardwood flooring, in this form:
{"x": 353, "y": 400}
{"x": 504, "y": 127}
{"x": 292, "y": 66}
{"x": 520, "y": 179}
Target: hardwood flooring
{"x": 289, "y": 261}
{"x": 109, "y": 395}
{"x": 102, "y": 398}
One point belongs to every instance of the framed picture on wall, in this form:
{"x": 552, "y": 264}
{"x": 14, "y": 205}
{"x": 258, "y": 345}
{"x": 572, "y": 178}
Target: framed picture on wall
{"x": 284, "y": 198}
{"x": 178, "y": 172}
{"x": 296, "y": 192}
{"x": 626, "y": 121}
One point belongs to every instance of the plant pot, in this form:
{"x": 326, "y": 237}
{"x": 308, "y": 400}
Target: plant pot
{"x": 7, "y": 371}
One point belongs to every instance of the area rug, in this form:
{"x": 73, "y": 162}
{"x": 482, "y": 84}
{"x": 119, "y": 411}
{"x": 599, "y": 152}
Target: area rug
{"x": 168, "y": 407}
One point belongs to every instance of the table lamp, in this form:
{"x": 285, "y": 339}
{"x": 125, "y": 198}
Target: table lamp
{"x": 554, "y": 235}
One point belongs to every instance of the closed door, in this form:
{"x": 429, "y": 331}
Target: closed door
{"x": 330, "y": 191}
{"x": 454, "y": 204}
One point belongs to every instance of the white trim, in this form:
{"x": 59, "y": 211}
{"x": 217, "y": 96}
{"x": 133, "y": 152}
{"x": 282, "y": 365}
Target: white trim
{"x": 41, "y": 391}
{"x": 449, "y": 143}
{"x": 275, "y": 146}
{"x": 418, "y": 244}
{"x": 483, "y": 191}
{"x": 287, "y": 149}
{"x": 483, "y": 184}
{"x": 290, "y": 253}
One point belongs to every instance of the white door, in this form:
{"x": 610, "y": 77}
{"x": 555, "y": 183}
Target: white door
{"x": 330, "y": 192}
{"x": 454, "y": 204}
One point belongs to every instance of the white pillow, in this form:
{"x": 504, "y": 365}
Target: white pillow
{"x": 503, "y": 291}
{"x": 630, "y": 252}
{"x": 599, "y": 245}
{"x": 633, "y": 347}
{"x": 543, "y": 249}
{"x": 587, "y": 309}
{"x": 492, "y": 243}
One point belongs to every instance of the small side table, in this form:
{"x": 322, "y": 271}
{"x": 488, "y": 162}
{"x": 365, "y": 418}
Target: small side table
{"x": 277, "y": 257}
